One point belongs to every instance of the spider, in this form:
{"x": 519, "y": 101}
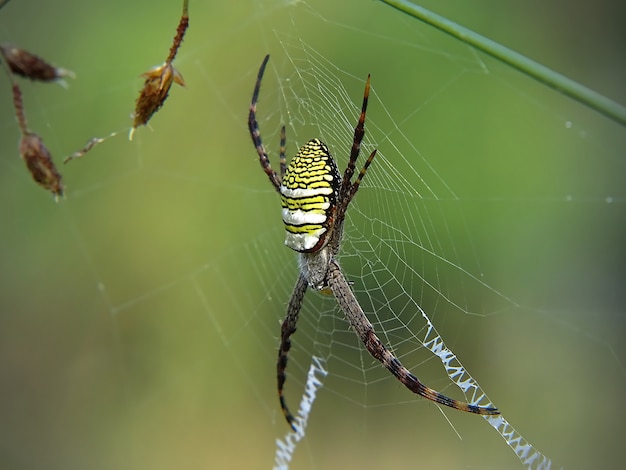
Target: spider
{"x": 314, "y": 200}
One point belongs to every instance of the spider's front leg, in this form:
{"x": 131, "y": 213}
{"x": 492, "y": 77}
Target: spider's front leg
{"x": 355, "y": 315}
{"x": 288, "y": 328}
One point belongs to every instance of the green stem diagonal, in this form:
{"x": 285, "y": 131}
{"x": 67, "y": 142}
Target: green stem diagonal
{"x": 539, "y": 72}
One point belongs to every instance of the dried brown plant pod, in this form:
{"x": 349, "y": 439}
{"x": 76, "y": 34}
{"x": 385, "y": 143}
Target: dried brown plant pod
{"x": 159, "y": 79}
{"x": 34, "y": 152}
{"x": 40, "y": 164}
{"x": 29, "y": 65}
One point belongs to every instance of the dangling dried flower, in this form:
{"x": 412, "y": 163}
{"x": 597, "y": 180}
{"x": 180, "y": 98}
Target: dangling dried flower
{"x": 154, "y": 92}
{"x": 31, "y": 66}
{"x": 39, "y": 163}
{"x": 34, "y": 152}
{"x": 159, "y": 79}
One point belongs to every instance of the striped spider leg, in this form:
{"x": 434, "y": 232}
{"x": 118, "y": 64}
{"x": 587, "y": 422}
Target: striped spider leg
{"x": 314, "y": 199}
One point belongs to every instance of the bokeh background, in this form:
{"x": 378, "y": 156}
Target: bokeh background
{"x": 139, "y": 316}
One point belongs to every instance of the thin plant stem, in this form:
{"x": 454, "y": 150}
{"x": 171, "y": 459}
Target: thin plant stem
{"x": 543, "y": 74}
{"x": 180, "y": 33}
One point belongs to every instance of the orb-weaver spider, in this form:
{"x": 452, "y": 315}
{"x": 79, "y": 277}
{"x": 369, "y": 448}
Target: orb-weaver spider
{"x": 314, "y": 201}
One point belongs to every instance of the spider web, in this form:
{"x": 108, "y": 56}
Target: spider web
{"x": 141, "y": 314}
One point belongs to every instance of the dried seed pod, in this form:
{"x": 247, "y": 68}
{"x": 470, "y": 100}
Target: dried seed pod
{"x": 40, "y": 164}
{"x": 34, "y": 152}
{"x": 29, "y": 65}
{"x": 154, "y": 92}
{"x": 159, "y": 79}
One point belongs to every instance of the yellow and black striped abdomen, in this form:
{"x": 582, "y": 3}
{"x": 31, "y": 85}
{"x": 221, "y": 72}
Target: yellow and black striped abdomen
{"x": 308, "y": 195}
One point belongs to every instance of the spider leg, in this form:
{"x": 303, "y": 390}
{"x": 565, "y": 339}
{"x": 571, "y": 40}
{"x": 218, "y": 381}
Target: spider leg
{"x": 288, "y": 328}
{"x": 359, "y": 132}
{"x": 283, "y": 160}
{"x": 255, "y": 133}
{"x": 355, "y": 186}
{"x": 355, "y": 315}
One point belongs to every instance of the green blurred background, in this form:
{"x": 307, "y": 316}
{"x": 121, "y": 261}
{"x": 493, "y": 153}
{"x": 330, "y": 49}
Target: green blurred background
{"x": 139, "y": 316}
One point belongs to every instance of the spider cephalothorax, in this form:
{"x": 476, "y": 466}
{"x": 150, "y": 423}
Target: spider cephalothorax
{"x": 314, "y": 200}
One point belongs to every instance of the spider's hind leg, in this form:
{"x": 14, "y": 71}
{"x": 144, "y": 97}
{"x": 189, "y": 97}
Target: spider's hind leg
{"x": 283, "y": 160}
{"x": 359, "y": 133}
{"x": 355, "y": 186}
{"x": 255, "y": 133}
